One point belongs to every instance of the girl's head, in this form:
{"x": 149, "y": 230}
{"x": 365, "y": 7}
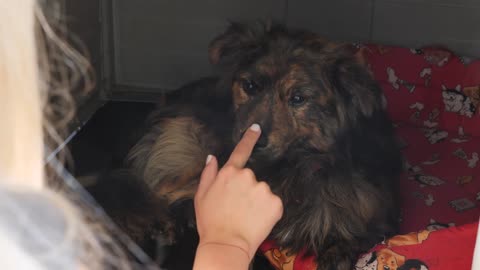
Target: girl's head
{"x": 37, "y": 71}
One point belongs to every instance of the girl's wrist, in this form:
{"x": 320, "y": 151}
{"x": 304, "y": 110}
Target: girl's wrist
{"x": 213, "y": 255}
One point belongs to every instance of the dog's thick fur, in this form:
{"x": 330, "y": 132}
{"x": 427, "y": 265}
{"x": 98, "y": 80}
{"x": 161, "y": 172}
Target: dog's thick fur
{"x": 327, "y": 146}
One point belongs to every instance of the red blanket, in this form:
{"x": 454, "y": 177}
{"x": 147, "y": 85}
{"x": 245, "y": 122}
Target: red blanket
{"x": 432, "y": 96}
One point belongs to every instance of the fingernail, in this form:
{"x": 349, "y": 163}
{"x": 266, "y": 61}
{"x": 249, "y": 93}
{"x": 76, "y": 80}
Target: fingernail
{"x": 255, "y": 127}
{"x": 209, "y": 158}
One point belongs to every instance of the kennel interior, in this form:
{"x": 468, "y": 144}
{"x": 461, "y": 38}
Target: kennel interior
{"x": 417, "y": 49}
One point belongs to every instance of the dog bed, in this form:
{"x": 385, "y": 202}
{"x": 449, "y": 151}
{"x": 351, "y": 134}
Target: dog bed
{"x": 433, "y": 97}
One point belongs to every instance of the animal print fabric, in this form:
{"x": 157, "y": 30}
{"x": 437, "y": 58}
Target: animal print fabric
{"x": 432, "y": 96}
{"x": 429, "y": 88}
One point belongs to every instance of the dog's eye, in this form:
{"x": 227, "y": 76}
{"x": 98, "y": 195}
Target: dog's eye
{"x": 250, "y": 87}
{"x": 296, "y": 100}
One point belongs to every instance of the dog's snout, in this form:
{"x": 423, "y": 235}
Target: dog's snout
{"x": 386, "y": 267}
{"x": 262, "y": 141}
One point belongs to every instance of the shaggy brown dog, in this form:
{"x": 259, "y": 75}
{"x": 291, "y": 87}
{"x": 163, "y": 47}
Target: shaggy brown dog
{"x": 327, "y": 147}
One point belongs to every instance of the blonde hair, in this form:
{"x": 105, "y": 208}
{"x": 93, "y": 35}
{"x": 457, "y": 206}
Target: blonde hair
{"x": 30, "y": 76}
{"x": 20, "y": 103}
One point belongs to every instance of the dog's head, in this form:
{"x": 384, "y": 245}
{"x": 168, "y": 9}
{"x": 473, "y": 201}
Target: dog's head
{"x": 389, "y": 260}
{"x": 301, "y": 89}
{"x": 323, "y": 125}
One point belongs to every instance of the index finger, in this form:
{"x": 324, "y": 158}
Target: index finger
{"x": 244, "y": 148}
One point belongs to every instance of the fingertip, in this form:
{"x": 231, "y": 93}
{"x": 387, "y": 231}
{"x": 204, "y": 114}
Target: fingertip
{"x": 244, "y": 147}
{"x": 255, "y": 127}
{"x": 254, "y": 132}
{"x": 208, "y": 175}
{"x": 209, "y": 158}
{"x": 211, "y": 161}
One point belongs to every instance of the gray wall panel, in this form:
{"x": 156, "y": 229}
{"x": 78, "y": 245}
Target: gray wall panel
{"x": 347, "y": 20}
{"x": 162, "y": 44}
{"x": 416, "y": 24}
{"x": 446, "y": 3}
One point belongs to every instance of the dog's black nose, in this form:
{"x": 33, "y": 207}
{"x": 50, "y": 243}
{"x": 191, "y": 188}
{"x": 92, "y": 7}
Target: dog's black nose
{"x": 262, "y": 141}
{"x": 386, "y": 267}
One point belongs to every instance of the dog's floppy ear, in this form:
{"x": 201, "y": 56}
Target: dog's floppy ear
{"x": 355, "y": 84}
{"x": 347, "y": 72}
{"x": 236, "y": 42}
